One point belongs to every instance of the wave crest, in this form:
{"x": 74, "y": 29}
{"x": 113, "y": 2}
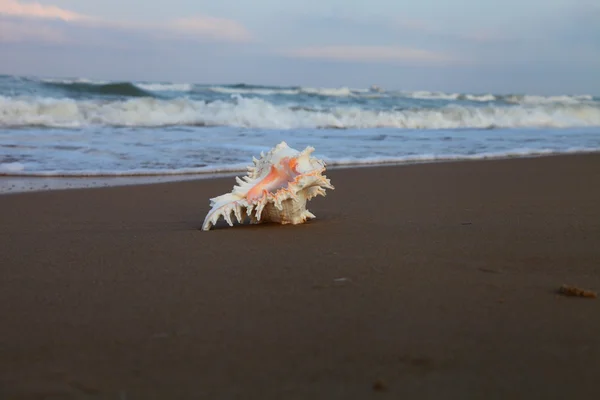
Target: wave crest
{"x": 121, "y": 89}
{"x": 259, "y": 113}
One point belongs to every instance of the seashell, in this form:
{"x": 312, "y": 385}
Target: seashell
{"x": 275, "y": 189}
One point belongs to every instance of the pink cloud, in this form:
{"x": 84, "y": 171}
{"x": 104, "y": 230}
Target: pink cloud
{"x": 16, "y": 8}
{"x": 14, "y": 32}
{"x": 197, "y": 27}
{"x": 211, "y": 27}
{"x": 370, "y": 54}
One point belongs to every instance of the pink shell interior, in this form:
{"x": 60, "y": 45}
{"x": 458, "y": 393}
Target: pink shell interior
{"x": 279, "y": 176}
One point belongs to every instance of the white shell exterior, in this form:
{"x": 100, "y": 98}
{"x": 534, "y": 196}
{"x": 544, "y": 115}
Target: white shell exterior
{"x": 276, "y": 189}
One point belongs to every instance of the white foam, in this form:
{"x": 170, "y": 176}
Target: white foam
{"x": 258, "y": 113}
{"x": 20, "y": 184}
{"x": 256, "y": 91}
{"x": 482, "y": 97}
{"x": 425, "y": 95}
{"x": 534, "y": 100}
{"x": 215, "y": 169}
{"x": 331, "y": 162}
{"x": 333, "y": 92}
{"x": 11, "y": 168}
{"x": 165, "y": 87}
{"x": 76, "y": 80}
{"x": 327, "y": 92}
{"x": 515, "y": 99}
{"x": 431, "y": 157}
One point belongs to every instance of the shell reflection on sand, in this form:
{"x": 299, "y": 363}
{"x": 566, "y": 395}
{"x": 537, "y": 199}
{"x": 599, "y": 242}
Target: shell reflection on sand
{"x": 276, "y": 189}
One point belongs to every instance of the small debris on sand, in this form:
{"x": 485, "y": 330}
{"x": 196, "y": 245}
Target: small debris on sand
{"x": 568, "y": 290}
{"x": 489, "y": 270}
{"x": 379, "y": 386}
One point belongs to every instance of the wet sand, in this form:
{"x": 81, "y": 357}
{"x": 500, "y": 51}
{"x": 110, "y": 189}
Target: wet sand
{"x": 435, "y": 281}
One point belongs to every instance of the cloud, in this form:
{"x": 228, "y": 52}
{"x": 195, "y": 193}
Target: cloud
{"x": 385, "y": 54}
{"x": 412, "y": 24}
{"x": 463, "y": 34}
{"x": 15, "y": 8}
{"x": 15, "y": 32}
{"x": 211, "y": 27}
{"x": 25, "y": 19}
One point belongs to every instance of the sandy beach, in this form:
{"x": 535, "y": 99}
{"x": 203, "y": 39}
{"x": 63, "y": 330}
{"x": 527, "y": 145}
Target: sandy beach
{"x": 432, "y": 281}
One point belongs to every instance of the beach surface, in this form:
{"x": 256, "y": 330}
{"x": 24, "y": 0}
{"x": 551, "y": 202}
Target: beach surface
{"x": 433, "y": 281}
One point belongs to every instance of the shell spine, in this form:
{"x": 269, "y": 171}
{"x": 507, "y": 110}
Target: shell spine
{"x": 276, "y": 188}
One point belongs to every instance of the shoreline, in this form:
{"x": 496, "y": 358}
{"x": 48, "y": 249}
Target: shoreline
{"x": 14, "y": 184}
{"x": 435, "y": 281}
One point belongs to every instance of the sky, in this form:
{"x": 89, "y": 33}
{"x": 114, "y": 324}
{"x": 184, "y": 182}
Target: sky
{"x": 475, "y": 46}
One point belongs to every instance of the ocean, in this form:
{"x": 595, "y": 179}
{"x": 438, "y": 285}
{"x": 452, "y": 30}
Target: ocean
{"x": 86, "y": 128}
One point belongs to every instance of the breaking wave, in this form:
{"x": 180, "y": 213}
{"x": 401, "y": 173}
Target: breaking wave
{"x": 259, "y": 113}
{"x": 81, "y": 87}
{"x": 122, "y": 89}
{"x": 166, "y": 87}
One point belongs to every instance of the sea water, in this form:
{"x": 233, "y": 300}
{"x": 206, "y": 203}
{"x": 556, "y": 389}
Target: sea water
{"x": 81, "y": 128}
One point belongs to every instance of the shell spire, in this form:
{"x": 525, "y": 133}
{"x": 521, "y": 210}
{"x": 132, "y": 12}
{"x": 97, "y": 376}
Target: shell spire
{"x": 276, "y": 188}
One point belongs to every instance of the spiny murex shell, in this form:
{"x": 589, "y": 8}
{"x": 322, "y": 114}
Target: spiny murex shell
{"x": 276, "y": 189}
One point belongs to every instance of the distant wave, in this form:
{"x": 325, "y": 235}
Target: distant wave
{"x": 290, "y": 91}
{"x": 248, "y": 90}
{"x": 125, "y": 89}
{"x": 259, "y": 113}
{"x": 81, "y": 87}
{"x": 510, "y": 98}
{"x": 532, "y": 99}
{"x": 67, "y": 81}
